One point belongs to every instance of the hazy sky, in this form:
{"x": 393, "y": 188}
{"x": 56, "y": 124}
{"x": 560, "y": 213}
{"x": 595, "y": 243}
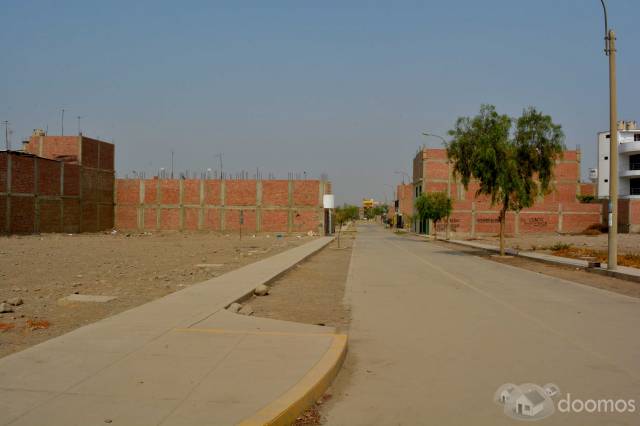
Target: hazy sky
{"x": 342, "y": 87}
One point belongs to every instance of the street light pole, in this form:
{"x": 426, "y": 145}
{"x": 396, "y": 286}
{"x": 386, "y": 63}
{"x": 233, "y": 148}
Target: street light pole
{"x": 610, "y": 50}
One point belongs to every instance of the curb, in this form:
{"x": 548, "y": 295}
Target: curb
{"x": 285, "y": 409}
{"x": 551, "y": 260}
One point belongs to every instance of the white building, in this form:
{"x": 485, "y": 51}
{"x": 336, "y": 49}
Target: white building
{"x": 529, "y": 404}
{"x": 628, "y": 161}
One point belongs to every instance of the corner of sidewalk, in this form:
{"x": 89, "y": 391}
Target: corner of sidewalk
{"x": 284, "y": 410}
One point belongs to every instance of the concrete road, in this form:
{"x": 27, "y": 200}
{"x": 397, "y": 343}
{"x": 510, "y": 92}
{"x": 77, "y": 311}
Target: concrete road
{"x": 436, "y": 332}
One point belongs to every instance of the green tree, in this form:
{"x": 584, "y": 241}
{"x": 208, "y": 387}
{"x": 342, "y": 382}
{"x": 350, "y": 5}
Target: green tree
{"x": 343, "y": 215}
{"x": 511, "y": 167}
{"x": 434, "y": 206}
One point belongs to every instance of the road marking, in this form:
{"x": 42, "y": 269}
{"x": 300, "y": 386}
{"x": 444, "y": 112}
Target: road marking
{"x": 252, "y": 332}
{"x": 516, "y": 310}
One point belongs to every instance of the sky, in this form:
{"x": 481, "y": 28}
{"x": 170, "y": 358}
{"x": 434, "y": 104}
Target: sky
{"x": 338, "y": 87}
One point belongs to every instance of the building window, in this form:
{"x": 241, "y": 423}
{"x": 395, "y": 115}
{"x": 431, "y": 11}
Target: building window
{"x": 634, "y": 186}
{"x": 636, "y": 137}
{"x": 634, "y": 162}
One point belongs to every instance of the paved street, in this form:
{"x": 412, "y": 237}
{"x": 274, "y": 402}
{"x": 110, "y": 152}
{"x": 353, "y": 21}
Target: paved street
{"x": 435, "y": 332}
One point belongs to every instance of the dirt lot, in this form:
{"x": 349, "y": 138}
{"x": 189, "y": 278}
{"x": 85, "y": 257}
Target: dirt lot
{"x": 312, "y": 293}
{"x": 136, "y": 268}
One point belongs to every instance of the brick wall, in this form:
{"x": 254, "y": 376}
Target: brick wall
{"x": 61, "y": 184}
{"x": 558, "y": 211}
{"x": 216, "y": 205}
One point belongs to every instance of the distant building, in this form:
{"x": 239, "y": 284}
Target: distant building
{"x": 559, "y": 211}
{"x": 628, "y": 161}
{"x": 628, "y": 174}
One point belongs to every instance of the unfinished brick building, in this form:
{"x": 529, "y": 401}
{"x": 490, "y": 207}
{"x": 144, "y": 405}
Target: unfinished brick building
{"x": 57, "y": 184}
{"x": 559, "y": 211}
{"x": 219, "y": 205}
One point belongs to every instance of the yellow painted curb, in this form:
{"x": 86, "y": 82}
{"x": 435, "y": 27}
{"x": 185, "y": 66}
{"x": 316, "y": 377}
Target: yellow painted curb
{"x": 285, "y": 409}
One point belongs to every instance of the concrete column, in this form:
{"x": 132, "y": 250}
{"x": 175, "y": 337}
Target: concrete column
{"x": 223, "y": 191}
{"x": 40, "y": 144}
{"x": 36, "y": 199}
{"x": 158, "y": 198}
{"x": 258, "y": 205}
{"x": 516, "y": 225}
{"x": 202, "y": 211}
{"x": 62, "y": 195}
{"x": 560, "y": 217}
{"x": 290, "y": 215}
{"x": 7, "y": 221}
{"x": 473, "y": 219}
{"x": 140, "y": 207}
{"x": 181, "y": 203}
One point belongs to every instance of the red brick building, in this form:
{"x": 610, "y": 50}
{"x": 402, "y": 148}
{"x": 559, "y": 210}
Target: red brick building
{"x": 219, "y": 205}
{"x": 58, "y": 184}
{"x": 560, "y": 211}
{"x": 404, "y": 201}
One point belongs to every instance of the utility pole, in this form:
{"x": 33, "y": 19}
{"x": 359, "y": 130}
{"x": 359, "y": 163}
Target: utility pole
{"x": 171, "y": 164}
{"x": 610, "y": 50}
{"x": 62, "y": 123}
{"x": 79, "y": 123}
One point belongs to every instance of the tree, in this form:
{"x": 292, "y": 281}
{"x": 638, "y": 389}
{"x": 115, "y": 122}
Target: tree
{"x": 435, "y": 206}
{"x": 343, "y": 215}
{"x": 513, "y": 168}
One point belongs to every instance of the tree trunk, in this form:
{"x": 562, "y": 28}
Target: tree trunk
{"x": 503, "y": 216}
{"x": 435, "y": 230}
{"x": 339, "y": 231}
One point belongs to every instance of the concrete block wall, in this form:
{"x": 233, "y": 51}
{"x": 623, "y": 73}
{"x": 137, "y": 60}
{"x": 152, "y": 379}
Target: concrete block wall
{"x": 44, "y": 195}
{"x": 558, "y": 211}
{"x": 217, "y": 205}
{"x": 60, "y": 184}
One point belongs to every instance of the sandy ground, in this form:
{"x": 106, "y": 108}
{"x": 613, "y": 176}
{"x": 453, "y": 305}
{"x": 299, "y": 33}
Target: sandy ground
{"x": 136, "y": 269}
{"x": 627, "y": 243}
{"x": 312, "y": 293}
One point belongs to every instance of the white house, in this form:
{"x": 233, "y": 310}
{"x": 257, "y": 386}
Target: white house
{"x": 505, "y": 394}
{"x": 628, "y": 161}
{"x": 529, "y": 403}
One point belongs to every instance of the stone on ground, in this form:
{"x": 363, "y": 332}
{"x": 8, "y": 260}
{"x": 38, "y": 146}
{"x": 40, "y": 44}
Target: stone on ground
{"x": 234, "y": 307}
{"x": 261, "y": 290}
{"x": 246, "y": 310}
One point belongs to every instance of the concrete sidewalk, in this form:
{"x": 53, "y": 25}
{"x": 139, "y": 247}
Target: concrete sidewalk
{"x": 179, "y": 360}
{"x": 622, "y": 272}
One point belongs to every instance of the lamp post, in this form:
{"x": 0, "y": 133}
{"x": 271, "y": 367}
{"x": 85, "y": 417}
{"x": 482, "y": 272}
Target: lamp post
{"x": 444, "y": 142}
{"x": 610, "y": 50}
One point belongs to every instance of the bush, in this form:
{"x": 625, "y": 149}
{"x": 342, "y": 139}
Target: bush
{"x": 586, "y": 198}
{"x": 596, "y": 229}
{"x": 560, "y": 246}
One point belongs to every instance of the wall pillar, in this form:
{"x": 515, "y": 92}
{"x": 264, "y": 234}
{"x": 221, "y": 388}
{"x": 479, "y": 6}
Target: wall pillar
{"x": 258, "y": 205}
{"x": 473, "y": 219}
{"x": 560, "y": 217}
{"x": 223, "y": 191}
